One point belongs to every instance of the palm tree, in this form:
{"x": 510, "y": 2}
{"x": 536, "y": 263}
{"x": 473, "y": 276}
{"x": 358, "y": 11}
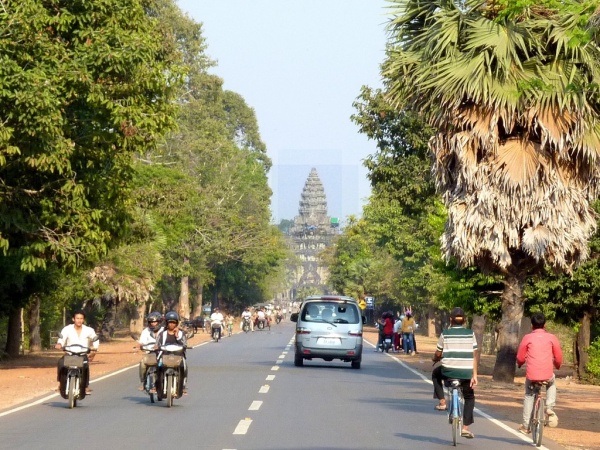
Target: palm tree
{"x": 513, "y": 93}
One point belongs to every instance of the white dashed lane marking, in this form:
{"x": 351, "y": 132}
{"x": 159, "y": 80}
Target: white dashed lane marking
{"x": 255, "y": 406}
{"x": 270, "y": 377}
{"x": 242, "y": 427}
{"x": 264, "y": 389}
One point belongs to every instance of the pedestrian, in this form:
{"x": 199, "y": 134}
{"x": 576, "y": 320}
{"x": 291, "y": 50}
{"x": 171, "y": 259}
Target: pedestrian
{"x": 408, "y": 329}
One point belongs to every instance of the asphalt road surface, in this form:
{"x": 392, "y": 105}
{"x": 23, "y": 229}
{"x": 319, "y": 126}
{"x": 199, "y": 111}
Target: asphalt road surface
{"x": 245, "y": 393}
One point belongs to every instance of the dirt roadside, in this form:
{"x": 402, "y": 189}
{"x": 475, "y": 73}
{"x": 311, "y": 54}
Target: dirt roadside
{"x": 33, "y": 376}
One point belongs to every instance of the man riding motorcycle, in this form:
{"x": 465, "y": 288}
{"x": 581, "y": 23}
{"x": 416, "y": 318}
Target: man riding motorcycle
{"x": 172, "y": 335}
{"x": 147, "y": 338}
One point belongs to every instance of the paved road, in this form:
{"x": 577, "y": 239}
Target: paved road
{"x": 245, "y": 393}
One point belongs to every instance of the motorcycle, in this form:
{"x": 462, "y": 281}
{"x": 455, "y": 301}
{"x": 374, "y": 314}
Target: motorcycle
{"x": 169, "y": 381}
{"x": 262, "y": 323}
{"x": 246, "y": 324}
{"x": 72, "y": 387}
{"x": 216, "y": 331}
{"x": 151, "y": 362}
{"x": 278, "y": 318}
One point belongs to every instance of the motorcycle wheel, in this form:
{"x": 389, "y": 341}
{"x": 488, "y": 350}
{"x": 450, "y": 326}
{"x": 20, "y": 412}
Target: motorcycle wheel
{"x": 150, "y": 383}
{"x": 169, "y": 391}
{"x": 72, "y": 389}
{"x": 261, "y": 325}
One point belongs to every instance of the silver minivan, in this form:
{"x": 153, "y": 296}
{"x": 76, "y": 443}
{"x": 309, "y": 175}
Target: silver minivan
{"x": 329, "y": 327}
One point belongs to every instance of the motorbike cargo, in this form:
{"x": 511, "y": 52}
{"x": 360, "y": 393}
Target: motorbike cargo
{"x": 172, "y": 360}
{"x": 73, "y": 361}
{"x": 150, "y": 359}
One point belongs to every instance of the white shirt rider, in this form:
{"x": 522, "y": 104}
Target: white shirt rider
{"x": 148, "y": 337}
{"x": 69, "y": 336}
{"x": 216, "y": 318}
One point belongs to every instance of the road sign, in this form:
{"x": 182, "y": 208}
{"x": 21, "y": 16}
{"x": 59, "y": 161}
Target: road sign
{"x": 370, "y": 302}
{"x": 362, "y": 304}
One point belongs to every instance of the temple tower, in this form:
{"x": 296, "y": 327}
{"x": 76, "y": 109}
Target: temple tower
{"x": 311, "y": 232}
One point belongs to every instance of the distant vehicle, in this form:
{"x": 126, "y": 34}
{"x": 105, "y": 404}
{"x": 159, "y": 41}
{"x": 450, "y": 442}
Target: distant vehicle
{"x": 329, "y": 327}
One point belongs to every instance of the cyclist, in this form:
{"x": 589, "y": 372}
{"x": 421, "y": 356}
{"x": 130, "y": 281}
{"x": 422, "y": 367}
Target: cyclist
{"x": 148, "y": 337}
{"x": 541, "y": 352}
{"x": 457, "y": 349}
{"x": 76, "y": 333}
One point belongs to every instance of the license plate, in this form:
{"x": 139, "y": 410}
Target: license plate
{"x": 329, "y": 341}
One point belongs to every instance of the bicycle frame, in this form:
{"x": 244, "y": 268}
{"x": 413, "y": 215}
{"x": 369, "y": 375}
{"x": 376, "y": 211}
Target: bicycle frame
{"x": 538, "y": 417}
{"x": 455, "y": 404}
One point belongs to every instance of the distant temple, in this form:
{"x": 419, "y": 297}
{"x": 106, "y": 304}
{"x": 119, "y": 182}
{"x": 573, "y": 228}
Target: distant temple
{"x": 311, "y": 232}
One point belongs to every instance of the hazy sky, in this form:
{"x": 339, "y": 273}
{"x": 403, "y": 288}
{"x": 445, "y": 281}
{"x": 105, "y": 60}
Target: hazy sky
{"x": 300, "y": 64}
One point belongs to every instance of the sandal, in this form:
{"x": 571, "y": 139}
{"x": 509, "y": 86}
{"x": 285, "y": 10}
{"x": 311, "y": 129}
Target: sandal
{"x": 441, "y": 407}
{"x": 467, "y": 434}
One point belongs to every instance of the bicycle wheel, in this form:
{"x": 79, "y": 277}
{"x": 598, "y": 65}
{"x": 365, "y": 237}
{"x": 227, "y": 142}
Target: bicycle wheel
{"x": 456, "y": 419}
{"x": 537, "y": 427}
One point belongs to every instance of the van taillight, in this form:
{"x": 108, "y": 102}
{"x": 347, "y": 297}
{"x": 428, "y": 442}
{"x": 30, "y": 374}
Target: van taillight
{"x": 355, "y": 333}
{"x": 302, "y": 331}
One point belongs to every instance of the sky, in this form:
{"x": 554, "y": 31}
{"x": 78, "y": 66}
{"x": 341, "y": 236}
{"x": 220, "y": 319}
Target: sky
{"x": 300, "y": 65}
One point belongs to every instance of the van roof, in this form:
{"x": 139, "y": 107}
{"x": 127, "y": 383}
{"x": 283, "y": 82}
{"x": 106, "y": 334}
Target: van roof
{"x": 331, "y": 297}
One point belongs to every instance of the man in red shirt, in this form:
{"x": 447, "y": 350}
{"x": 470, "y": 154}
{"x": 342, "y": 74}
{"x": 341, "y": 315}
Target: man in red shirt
{"x": 541, "y": 352}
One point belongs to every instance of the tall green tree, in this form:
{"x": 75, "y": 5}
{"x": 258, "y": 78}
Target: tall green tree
{"x": 511, "y": 88}
{"x": 84, "y": 86}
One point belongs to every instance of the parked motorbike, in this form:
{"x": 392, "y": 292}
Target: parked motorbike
{"x": 169, "y": 381}
{"x": 72, "y": 386}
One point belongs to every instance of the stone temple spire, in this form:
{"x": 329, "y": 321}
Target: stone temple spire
{"x": 313, "y": 204}
{"x": 311, "y": 232}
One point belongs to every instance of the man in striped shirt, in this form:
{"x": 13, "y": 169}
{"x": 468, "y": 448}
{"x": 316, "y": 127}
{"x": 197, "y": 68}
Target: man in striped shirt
{"x": 457, "y": 349}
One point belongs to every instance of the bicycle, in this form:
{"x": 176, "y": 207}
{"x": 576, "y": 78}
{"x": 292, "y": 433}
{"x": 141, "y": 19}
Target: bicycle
{"x": 455, "y": 402}
{"x": 538, "y": 417}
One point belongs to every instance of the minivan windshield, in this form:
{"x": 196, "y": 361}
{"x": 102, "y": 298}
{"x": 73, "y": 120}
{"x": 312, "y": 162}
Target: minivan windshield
{"x": 332, "y": 312}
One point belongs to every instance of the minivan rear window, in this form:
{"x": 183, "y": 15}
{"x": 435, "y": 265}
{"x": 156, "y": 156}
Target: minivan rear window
{"x": 335, "y": 312}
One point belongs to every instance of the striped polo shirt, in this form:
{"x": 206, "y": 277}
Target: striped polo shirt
{"x": 457, "y": 345}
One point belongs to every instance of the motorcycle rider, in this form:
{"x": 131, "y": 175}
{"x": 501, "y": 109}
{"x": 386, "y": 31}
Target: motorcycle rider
{"x": 247, "y": 315}
{"x": 216, "y": 321}
{"x": 260, "y": 315}
{"x": 172, "y": 335}
{"x": 76, "y": 333}
{"x": 147, "y": 338}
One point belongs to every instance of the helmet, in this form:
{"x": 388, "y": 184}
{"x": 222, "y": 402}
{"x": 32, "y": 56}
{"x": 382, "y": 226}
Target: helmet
{"x": 154, "y": 317}
{"x": 172, "y": 316}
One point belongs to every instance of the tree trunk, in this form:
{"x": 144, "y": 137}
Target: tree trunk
{"x": 478, "y": 328}
{"x": 137, "y": 322}
{"x": 13, "y": 334}
{"x": 434, "y": 327}
{"x": 184, "y": 298}
{"x": 582, "y": 342}
{"x": 198, "y": 301}
{"x": 508, "y": 329}
{"x": 33, "y": 314}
